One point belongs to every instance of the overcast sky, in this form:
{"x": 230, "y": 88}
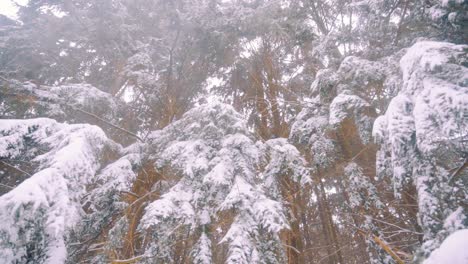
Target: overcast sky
{"x": 8, "y": 8}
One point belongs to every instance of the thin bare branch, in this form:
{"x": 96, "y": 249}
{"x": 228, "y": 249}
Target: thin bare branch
{"x": 15, "y": 168}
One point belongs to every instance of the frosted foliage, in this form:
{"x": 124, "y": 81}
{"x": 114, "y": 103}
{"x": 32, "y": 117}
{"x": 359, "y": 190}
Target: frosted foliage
{"x": 357, "y": 73}
{"x": 284, "y": 160}
{"x": 213, "y": 152}
{"x": 104, "y": 198}
{"x": 242, "y": 248}
{"x": 38, "y": 213}
{"x": 54, "y": 101}
{"x": 311, "y": 120}
{"x": 323, "y": 150}
{"x": 310, "y": 129}
{"x": 324, "y": 83}
{"x": 438, "y": 86}
{"x": 140, "y": 67}
{"x": 428, "y": 180}
{"x": 15, "y": 132}
{"x": 452, "y": 250}
{"x": 432, "y": 106}
{"x": 397, "y": 128}
{"x": 202, "y": 251}
{"x": 372, "y": 81}
{"x": 424, "y": 124}
{"x": 456, "y": 220}
{"x": 87, "y": 97}
{"x": 343, "y": 103}
{"x": 119, "y": 175}
{"x": 174, "y": 205}
{"x": 361, "y": 190}
{"x": 117, "y": 232}
{"x": 348, "y": 105}
{"x": 451, "y": 11}
{"x": 450, "y": 116}
{"x": 269, "y": 214}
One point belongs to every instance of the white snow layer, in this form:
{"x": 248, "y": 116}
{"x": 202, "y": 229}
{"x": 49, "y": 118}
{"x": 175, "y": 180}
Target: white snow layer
{"x": 452, "y": 251}
{"x": 433, "y": 101}
{"x": 427, "y": 117}
{"x": 214, "y": 153}
{"x": 49, "y": 199}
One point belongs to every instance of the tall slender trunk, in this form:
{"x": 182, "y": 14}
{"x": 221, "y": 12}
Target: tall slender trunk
{"x": 260, "y": 102}
{"x": 325, "y": 230}
{"x": 142, "y": 186}
{"x": 295, "y": 247}
{"x": 329, "y": 220}
{"x": 272, "y": 93}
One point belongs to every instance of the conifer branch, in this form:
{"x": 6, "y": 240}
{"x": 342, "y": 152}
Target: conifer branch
{"x": 64, "y": 104}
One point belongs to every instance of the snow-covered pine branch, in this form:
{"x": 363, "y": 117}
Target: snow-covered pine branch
{"x": 40, "y": 212}
{"x": 217, "y": 159}
{"x": 418, "y": 132}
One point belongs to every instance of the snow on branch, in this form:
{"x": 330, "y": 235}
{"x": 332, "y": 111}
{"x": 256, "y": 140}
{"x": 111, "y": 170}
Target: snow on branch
{"x": 422, "y": 131}
{"x": 39, "y": 213}
{"x": 213, "y": 151}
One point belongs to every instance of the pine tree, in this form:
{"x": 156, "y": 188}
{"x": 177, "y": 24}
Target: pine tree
{"x": 217, "y": 160}
{"x": 340, "y": 135}
{"x": 422, "y": 132}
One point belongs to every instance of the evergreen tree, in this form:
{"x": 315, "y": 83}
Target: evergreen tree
{"x": 242, "y": 131}
{"x": 214, "y": 154}
{"x": 423, "y": 134}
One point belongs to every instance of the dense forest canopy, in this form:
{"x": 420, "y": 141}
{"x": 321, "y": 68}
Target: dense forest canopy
{"x": 234, "y": 131}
